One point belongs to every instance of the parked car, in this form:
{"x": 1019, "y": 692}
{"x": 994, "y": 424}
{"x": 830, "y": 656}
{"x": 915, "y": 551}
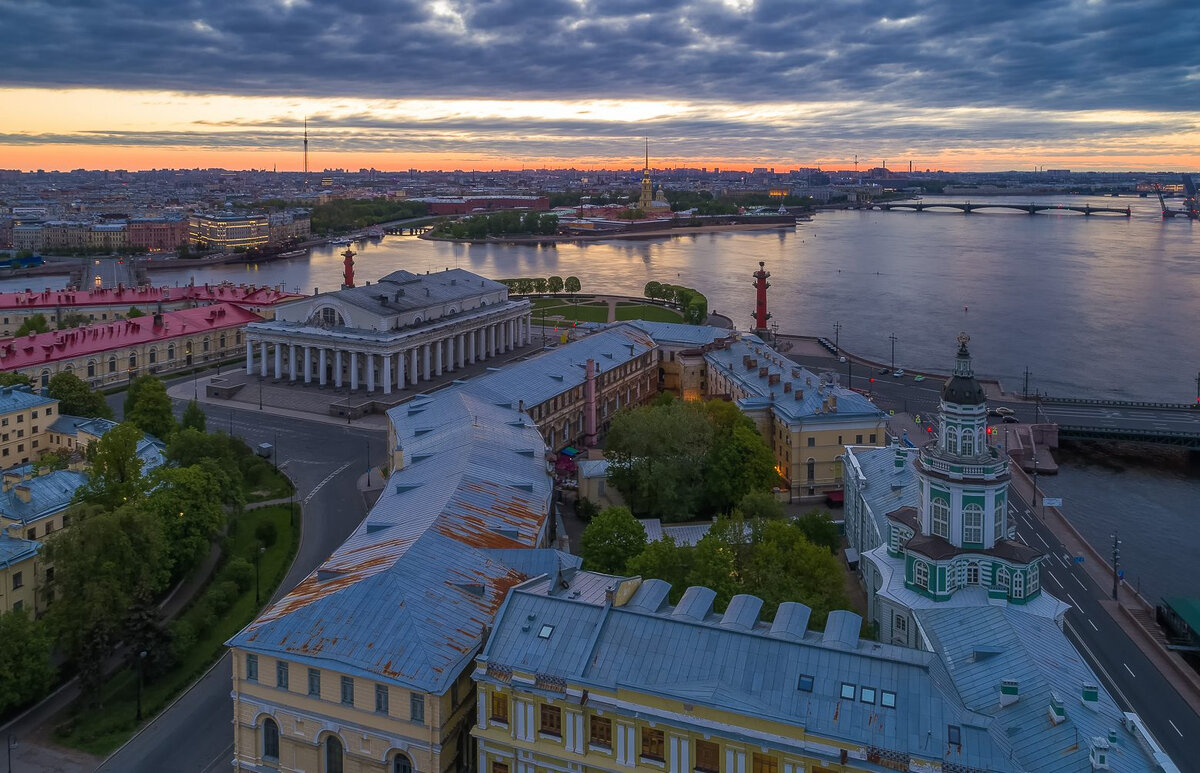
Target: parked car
{"x": 1010, "y": 420}
{"x": 884, "y": 370}
{"x": 1004, "y": 410}
{"x": 898, "y": 373}
{"x": 841, "y": 359}
{"x": 918, "y": 377}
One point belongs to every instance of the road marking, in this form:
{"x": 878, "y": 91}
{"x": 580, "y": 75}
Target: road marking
{"x": 1093, "y": 625}
{"x": 1130, "y": 670}
{"x": 328, "y": 478}
{"x": 1076, "y": 579}
{"x": 1074, "y": 603}
{"x": 1172, "y": 724}
{"x": 225, "y": 754}
{"x": 1052, "y": 577}
{"x": 1039, "y": 536}
{"x": 1112, "y": 683}
{"x": 1022, "y": 539}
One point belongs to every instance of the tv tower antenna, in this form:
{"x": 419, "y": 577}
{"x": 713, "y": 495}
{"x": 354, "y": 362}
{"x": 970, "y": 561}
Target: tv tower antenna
{"x": 306, "y": 152}
{"x": 855, "y": 157}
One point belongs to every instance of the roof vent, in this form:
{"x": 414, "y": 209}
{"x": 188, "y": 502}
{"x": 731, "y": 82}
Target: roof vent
{"x": 650, "y": 596}
{"x": 1091, "y": 696}
{"x": 696, "y": 604}
{"x": 1010, "y": 692}
{"x": 372, "y": 528}
{"x": 791, "y": 621}
{"x": 742, "y": 612}
{"x": 1056, "y": 710}
{"x": 842, "y": 628}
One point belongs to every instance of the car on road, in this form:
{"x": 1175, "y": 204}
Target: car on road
{"x": 1010, "y": 420}
{"x": 898, "y": 373}
{"x": 1004, "y": 410}
{"x": 918, "y": 377}
{"x": 884, "y": 370}
{"x": 841, "y": 359}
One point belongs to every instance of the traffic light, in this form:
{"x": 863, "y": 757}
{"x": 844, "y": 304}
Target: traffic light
{"x": 872, "y": 381}
{"x": 991, "y": 429}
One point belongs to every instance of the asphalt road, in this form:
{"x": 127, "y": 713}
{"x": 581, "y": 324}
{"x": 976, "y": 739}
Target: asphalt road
{"x": 1127, "y": 674}
{"x": 195, "y": 735}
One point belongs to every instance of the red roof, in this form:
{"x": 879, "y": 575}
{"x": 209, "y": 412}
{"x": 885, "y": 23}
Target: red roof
{"x": 147, "y": 295}
{"x": 41, "y": 348}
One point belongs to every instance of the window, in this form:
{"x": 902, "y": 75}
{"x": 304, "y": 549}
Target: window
{"x": 940, "y": 511}
{"x": 952, "y": 440}
{"x": 416, "y": 708}
{"x": 251, "y": 667}
{"x": 1002, "y": 578}
{"x": 499, "y": 704}
{"x": 348, "y": 690}
{"x": 848, "y": 690}
{"x": 812, "y": 441}
{"x": 811, "y": 469}
{"x": 281, "y": 674}
{"x": 858, "y": 440}
{"x": 17, "y": 581}
{"x": 314, "y": 682}
{"x": 402, "y": 764}
{"x": 153, "y": 356}
{"x": 381, "y": 699}
{"x": 171, "y": 352}
{"x": 91, "y": 369}
{"x": 333, "y": 755}
{"x": 921, "y": 574}
{"x": 998, "y": 531}
{"x": 867, "y": 695}
{"x": 1034, "y": 578}
{"x": 973, "y": 524}
{"x": 545, "y": 632}
{"x": 1018, "y": 585}
{"x": 132, "y": 360}
{"x": 887, "y": 699}
{"x": 708, "y": 756}
{"x": 270, "y": 740}
{"x": 805, "y": 684}
{"x": 551, "y": 720}
{"x": 652, "y": 743}
{"x": 499, "y": 767}
{"x": 765, "y": 763}
{"x": 968, "y": 443}
{"x": 600, "y": 732}
{"x": 872, "y": 438}
{"x": 953, "y": 734}
{"x": 112, "y": 364}
{"x": 972, "y": 573}
{"x": 900, "y": 623}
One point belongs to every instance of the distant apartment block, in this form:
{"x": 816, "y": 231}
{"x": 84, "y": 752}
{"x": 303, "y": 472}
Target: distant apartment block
{"x": 157, "y": 234}
{"x": 466, "y": 205}
{"x": 288, "y": 226}
{"x": 224, "y": 231}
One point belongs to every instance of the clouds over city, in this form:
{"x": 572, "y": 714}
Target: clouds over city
{"x": 735, "y": 79}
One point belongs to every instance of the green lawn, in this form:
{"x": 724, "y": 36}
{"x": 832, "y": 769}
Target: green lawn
{"x": 102, "y": 729}
{"x": 580, "y": 313}
{"x": 271, "y": 485}
{"x": 648, "y": 312}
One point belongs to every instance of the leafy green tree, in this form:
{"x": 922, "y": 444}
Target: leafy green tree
{"x": 610, "y": 540}
{"x": 53, "y": 460}
{"x": 193, "y": 417}
{"x": 663, "y": 560}
{"x": 820, "y": 530}
{"x": 555, "y": 284}
{"x": 14, "y": 378}
{"x": 115, "y": 476}
{"x": 759, "y": 505}
{"x": 714, "y": 565}
{"x": 76, "y": 398}
{"x": 33, "y": 324}
{"x": 26, "y": 671}
{"x": 188, "y": 502}
{"x": 656, "y": 456}
{"x": 149, "y": 407}
{"x": 738, "y": 462}
{"x": 101, "y": 565}
{"x": 540, "y": 285}
{"x": 572, "y": 284}
{"x": 134, "y": 312}
{"x": 67, "y": 321}
{"x": 531, "y": 223}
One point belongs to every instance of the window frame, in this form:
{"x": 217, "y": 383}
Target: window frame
{"x": 593, "y": 739}
{"x": 270, "y": 738}
{"x": 251, "y": 667}
{"x": 887, "y": 699}
{"x": 383, "y": 706}
{"x": 805, "y": 683}
{"x": 716, "y": 756}
{"x": 650, "y": 739}
{"x": 282, "y": 674}
{"x": 552, "y": 728}
{"x": 866, "y": 695}
{"x": 416, "y": 708}
{"x": 498, "y": 700}
{"x": 314, "y": 678}
{"x": 853, "y": 689}
{"x": 347, "y": 683}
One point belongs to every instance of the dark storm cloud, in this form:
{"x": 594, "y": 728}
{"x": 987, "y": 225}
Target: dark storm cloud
{"x": 1051, "y": 54}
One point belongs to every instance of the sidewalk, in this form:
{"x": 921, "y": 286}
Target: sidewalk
{"x": 1132, "y": 612}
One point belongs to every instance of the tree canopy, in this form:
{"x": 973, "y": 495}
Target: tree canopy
{"x": 193, "y": 417}
{"x": 610, "y": 540}
{"x": 115, "y": 475}
{"x": 26, "y": 671}
{"x": 148, "y": 406}
{"x": 35, "y": 323}
{"x": 572, "y": 284}
{"x": 14, "y": 378}
{"x": 76, "y": 398}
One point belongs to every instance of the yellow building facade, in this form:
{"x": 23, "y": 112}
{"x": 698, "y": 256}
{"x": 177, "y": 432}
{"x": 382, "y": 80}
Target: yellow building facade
{"x": 18, "y": 574}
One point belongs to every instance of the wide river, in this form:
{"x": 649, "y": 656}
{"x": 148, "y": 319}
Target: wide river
{"x": 1101, "y": 306}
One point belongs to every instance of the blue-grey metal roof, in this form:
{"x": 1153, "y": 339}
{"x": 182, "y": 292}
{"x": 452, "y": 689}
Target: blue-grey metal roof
{"x": 14, "y": 550}
{"x": 679, "y": 333}
{"x": 812, "y": 405}
{"x": 983, "y": 646}
{"x": 18, "y": 398}
{"x": 748, "y": 671}
{"x": 48, "y": 494}
{"x": 885, "y": 488}
{"x": 680, "y": 533}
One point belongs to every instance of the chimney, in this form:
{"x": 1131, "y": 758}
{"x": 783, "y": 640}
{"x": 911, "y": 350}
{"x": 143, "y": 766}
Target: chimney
{"x": 1098, "y": 754}
{"x": 24, "y": 493}
{"x": 901, "y": 458}
{"x": 762, "y": 371}
{"x": 589, "y": 404}
{"x": 799, "y": 394}
{"x": 1056, "y": 710}
{"x": 1010, "y": 692}
{"x": 158, "y": 319}
{"x": 787, "y": 387}
{"x": 1091, "y": 696}
{"x": 833, "y": 403}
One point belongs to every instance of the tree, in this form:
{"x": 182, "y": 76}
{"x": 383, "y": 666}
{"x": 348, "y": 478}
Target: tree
{"x": 26, "y": 671}
{"x": 820, "y": 530}
{"x": 134, "y": 312}
{"x": 653, "y": 290}
{"x": 572, "y": 284}
{"x": 656, "y": 454}
{"x": 662, "y": 560}
{"x": 738, "y": 462}
{"x": 555, "y": 283}
{"x": 149, "y": 407}
{"x": 610, "y": 540}
{"x": 759, "y": 505}
{"x": 115, "y": 476}
{"x": 14, "y": 378}
{"x": 76, "y": 398}
{"x": 67, "y": 321}
{"x": 193, "y": 417}
{"x": 540, "y": 285}
{"x": 51, "y": 460}
{"x": 35, "y": 323}
{"x": 188, "y": 502}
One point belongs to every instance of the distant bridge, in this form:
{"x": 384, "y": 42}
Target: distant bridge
{"x": 1030, "y": 209}
{"x": 1176, "y": 424}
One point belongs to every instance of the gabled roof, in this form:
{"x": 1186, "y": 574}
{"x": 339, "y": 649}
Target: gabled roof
{"x": 405, "y": 291}
{"x": 48, "y": 494}
{"x": 14, "y": 550}
{"x": 19, "y": 398}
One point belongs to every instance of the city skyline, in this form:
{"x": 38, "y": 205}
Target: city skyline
{"x": 727, "y": 83}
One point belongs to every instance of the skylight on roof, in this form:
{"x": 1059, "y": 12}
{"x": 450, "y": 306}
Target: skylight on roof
{"x": 545, "y": 632}
{"x": 806, "y": 683}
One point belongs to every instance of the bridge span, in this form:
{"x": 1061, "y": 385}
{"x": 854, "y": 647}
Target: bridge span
{"x": 1162, "y": 423}
{"x": 1030, "y": 209}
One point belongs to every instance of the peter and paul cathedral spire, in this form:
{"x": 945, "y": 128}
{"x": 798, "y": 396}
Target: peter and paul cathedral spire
{"x": 646, "y": 200}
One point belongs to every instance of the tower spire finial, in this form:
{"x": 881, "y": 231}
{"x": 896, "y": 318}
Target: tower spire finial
{"x": 647, "y": 167}
{"x": 306, "y": 151}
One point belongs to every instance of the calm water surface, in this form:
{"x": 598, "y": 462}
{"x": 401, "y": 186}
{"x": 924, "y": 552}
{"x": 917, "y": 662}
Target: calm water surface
{"x": 1094, "y": 306}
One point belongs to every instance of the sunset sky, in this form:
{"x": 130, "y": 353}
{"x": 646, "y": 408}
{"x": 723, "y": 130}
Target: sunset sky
{"x": 491, "y": 84}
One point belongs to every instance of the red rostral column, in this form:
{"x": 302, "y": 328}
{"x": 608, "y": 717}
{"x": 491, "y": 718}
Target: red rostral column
{"x": 348, "y": 272}
{"x": 761, "y": 315}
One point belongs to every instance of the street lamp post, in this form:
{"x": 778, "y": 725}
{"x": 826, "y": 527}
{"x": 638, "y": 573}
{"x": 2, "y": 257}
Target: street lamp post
{"x": 260, "y": 393}
{"x": 1035, "y": 488}
{"x": 892, "y": 338}
{"x": 837, "y": 328}
{"x": 1116, "y": 557}
{"x": 12, "y": 744}
{"x": 140, "y": 660}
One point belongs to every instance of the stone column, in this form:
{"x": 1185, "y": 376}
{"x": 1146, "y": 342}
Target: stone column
{"x": 472, "y": 340}
{"x": 460, "y": 348}
{"x": 337, "y": 368}
{"x": 400, "y": 357}
{"x": 369, "y": 365}
{"x": 291, "y": 362}
{"x": 249, "y": 357}
{"x": 323, "y": 364}
{"x": 262, "y": 359}
{"x": 450, "y": 353}
{"x": 425, "y": 363}
{"x": 437, "y": 357}
{"x": 413, "y": 374}
{"x": 308, "y": 365}
{"x": 386, "y": 369}
{"x": 489, "y": 343}
{"x": 353, "y": 371}
{"x": 278, "y": 362}
{"x": 510, "y": 333}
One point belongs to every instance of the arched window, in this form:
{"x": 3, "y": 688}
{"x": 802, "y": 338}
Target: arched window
{"x": 152, "y": 356}
{"x": 811, "y": 469}
{"x": 132, "y": 360}
{"x": 1018, "y": 585}
{"x": 237, "y": 337}
{"x": 402, "y": 764}
{"x": 91, "y": 368}
{"x": 951, "y": 440}
{"x": 112, "y": 364}
{"x": 69, "y": 369}
{"x": 921, "y": 574}
{"x": 270, "y": 739}
{"x": 939, "y": 511}
{"x": 1002, "y": 578}
{"x": 330, "y": 317}
{"x": 1035, "y": 579}
{"x": 222, "y": 341}
{"x": 967, "y": 443}
{"x": 333, "y": 755}
{"x": 206, "y": 343}
{"x": 973, "y": 524}
{"x": 998, "y": 531}
{"x": 45, "y": 378}
{"x": 973, "y": 573}
{"x": 170, "y": 352}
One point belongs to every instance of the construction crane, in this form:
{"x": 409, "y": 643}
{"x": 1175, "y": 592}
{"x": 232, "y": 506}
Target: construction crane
{"x": 1162, "y": 203}
{"x": 1189, "y": 203}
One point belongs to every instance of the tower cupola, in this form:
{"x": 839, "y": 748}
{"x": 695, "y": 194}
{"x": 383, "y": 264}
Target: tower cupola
{"x": 963, "y": 388}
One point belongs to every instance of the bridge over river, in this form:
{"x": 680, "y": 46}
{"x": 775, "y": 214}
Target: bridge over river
{"x": 1031, "y": 208}
{"x": 1176, "y": 424}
